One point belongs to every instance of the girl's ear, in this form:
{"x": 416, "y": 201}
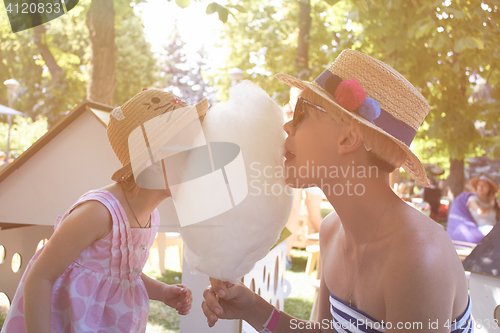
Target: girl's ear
{"x": 350, "y": 139}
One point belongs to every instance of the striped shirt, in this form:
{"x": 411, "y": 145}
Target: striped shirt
{"x": 347, "y": 318}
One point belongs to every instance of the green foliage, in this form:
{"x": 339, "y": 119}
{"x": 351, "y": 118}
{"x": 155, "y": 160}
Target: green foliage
{"x": 24, "y": 133}
{"x": 431, "y": 150}
{"x": 264, "y": 40}
{"x": 135, "y": 65}
{"x": 39, "y": 94}
{"x": 182, "y": 73}
{"x": 442, "y": 48}
{"x": 20, "y": 59}
{"x": 223, "y": 12}
{"x": 183, "y": 3}
{"x": 212, "y": 8}
{"x": 331, "y": 2}
{"x": 239, "y": 8}
{"x": 68, "y": 41}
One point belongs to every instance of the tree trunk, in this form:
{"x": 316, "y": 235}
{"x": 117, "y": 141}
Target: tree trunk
{"x": 457, "y": 178}
{"x": 303, "y": 70}
{"x": 55, "y": 70}
{"x": 101, "y": 25}
{"x": 54, "y": 96}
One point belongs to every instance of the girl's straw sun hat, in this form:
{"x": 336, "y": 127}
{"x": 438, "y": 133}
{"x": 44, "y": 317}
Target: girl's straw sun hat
{"x": 149, "y": 106}
{"x": 377, "y": 96}
{"x": 486, "y": 178}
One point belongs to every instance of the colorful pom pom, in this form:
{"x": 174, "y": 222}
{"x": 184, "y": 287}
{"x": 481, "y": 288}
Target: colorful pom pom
{"x": 350, "y": 95}
{"x": 370, "y": 110}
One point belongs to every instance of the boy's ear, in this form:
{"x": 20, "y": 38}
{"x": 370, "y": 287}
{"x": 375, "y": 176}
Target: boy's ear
{"x": 350, "y": 140}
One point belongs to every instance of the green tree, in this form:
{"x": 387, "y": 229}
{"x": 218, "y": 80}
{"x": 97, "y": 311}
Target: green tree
{"x": 21, "y": 57}
{"x": 135, "y": 64}
{"x": 270, "y": 38}
{"x": 441, "y": 47}
{"x": 24, "y": 133}
{"x": 182, "y": 73}
{"x": 65, "y": 44}
{"x": 101, "y": 25}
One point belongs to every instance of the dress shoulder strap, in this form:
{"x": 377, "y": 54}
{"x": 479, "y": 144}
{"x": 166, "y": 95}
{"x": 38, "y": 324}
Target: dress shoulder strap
{"x": 104, "y": 197}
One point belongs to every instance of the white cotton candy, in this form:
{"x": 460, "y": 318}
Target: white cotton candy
{"x": 228, "y": 245}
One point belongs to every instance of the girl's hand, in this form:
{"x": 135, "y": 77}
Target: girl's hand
{"x": 225, "y": 300}
{"x": 179, "y": 297}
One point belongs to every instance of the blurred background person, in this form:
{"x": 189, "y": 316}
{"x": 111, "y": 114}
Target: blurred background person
{"x": 483, "y": 205}
{"x": 473, "y": 214}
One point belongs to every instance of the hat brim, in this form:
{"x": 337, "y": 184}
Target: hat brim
{"x": 126, "y": 171}
{"x": 475, "y": 180}
{"x": 411, "y": 165}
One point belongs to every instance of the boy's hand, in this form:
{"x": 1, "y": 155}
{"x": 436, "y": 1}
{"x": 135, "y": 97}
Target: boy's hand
{"x": 179, "y": 297}
{"x": 225, "y": 300}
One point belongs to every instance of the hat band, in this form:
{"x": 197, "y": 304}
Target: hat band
{"x": 485, "y": 178}
{"x": 386, "y": 121}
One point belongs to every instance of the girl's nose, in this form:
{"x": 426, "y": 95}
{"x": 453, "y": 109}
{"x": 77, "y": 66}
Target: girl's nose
{"x": 288, "y": 127}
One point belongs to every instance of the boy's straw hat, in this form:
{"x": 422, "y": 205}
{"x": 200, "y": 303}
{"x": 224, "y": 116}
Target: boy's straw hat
{"x": 400, "y": 110}
{"x": 486, "y": 178}
{"x": 143, "y": 107}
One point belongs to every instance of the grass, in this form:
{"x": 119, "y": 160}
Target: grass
{"x": 163, "y": 319}
{"x": 4, "y": 307}
{"x": 326, "y": 211}
{"x": 299, "y": 303}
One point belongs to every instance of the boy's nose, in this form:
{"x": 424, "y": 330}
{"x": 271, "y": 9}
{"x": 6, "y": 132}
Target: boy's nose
{"x": 288, "y": 127}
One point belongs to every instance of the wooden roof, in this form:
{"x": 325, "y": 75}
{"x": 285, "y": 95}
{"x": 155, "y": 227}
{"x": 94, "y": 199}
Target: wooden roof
{"x": 54, "y": 131}
{"x": 485, "y": 258}
{"x": 76, "y": 151}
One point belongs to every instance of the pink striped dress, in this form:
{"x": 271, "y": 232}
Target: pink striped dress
{"x": 102, "y": 290}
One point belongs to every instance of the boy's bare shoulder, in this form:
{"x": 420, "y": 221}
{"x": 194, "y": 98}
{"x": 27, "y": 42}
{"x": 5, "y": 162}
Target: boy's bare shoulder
{"x": 328, "y": 228}
{"x": 330, "y": 221}
{"x": 419, "y": 234}
{"x": 422, "y": 248}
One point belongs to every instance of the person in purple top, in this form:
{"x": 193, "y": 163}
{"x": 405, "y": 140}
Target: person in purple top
{"x": 473, "y": 215}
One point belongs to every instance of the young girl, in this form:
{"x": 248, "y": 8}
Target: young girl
{"x": 88, "y": 277}
{"x": 386, "y": 266}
